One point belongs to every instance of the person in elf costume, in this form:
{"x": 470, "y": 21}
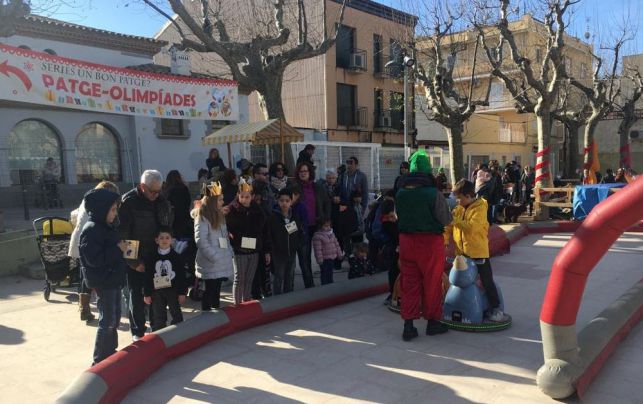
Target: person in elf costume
{"x": 422, "y": 215}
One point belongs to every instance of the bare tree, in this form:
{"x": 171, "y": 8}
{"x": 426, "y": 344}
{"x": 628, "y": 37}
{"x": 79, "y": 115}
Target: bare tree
{"x": 449, "y": 104}
{"x": 11, "y": 11}
{"x": 630, "y": 115}
{"x": 572, "y": 112}
{"x": 257, "y": 63}
{"x": 533, "y": 91}
{"x": 600, "y": 96}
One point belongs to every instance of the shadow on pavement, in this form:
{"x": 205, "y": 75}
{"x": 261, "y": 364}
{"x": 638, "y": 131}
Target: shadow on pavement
{"x": 11, "y": 336}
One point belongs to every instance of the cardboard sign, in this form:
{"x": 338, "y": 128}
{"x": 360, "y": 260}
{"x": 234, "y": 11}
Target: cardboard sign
{"x": 162, "y": 282}
{"x": 132, "y": 250}
{"x": 248, "y": 243}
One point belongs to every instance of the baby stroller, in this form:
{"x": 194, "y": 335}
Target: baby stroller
{"x": 53, "y": 235}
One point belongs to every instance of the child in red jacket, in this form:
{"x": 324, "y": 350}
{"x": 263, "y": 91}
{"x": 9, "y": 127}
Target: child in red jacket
{"x": 327, "y": 250}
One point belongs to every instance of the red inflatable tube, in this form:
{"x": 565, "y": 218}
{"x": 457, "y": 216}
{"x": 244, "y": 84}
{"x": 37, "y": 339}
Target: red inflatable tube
{"x": 607, "y": 221}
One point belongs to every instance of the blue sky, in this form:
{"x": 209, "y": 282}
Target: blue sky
{"x": 133, "y": 17}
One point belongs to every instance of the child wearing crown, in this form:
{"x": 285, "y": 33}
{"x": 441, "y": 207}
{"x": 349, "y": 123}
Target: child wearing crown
{"x": 250, "y": 242}
{"x": 214, "y": 258}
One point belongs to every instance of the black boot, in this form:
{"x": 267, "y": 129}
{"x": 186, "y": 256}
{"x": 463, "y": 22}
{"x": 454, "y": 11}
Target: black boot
{"x": 434, "y": 327}
{"x": 410, "y": 332}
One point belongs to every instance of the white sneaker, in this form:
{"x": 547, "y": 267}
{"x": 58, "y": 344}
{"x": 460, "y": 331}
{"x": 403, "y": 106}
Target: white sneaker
{"x": 136, "y": 338}
{"x": 497, "y": 316}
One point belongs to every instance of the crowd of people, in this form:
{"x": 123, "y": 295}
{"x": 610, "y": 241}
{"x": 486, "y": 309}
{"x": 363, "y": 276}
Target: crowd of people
{"x": 158, "y": 243}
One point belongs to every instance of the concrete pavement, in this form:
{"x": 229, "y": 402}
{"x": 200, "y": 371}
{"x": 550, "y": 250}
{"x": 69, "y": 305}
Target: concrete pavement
{"x": 354, "y": 353}
{"x": 351, "y": 352}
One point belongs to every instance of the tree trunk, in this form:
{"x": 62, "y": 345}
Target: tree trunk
{"x": 624, "y": 128}
{"x": 456, "y": 159}
{"x": 571, "y": 160}
{"x": 588, "y": 139}
{"x": 543, "y": 163}
{"x": 270, "y": 98}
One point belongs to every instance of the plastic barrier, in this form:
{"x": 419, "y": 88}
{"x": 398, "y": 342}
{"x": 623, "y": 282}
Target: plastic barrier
{"x": 570, "y": 361}
{"x": 112, "y": 379}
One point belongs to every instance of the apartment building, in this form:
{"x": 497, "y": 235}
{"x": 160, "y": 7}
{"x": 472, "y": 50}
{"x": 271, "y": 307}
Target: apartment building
{"x": 498, "y": 131}
{"x": 347, "y": 94}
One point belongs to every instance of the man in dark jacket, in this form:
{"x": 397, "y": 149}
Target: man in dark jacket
{"x": 142, "y": 212}
{"x": 422, "y": 215}
{"x": 101, "y": 259}
{"x": 353, "y": 180}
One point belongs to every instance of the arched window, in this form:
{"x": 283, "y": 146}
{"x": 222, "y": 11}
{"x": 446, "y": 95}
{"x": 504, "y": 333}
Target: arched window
{"x": 31, "y": 143}
{"x": 50, "y": 51}
{"x": 97, "y": 154}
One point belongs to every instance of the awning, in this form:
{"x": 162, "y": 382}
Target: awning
{"x": 272, "y": 131}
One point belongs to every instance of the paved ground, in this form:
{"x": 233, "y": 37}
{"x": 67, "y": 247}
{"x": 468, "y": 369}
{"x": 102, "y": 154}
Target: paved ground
{"x": 14, "y": 218}
{"x": 350, "y": 352}
{"x": 354, "y": 352}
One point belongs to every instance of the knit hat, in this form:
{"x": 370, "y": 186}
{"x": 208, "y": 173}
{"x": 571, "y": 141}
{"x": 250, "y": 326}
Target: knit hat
{"x": 420, "y": 162}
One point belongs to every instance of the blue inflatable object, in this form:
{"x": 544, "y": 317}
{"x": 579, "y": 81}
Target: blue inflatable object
{"x": 465, "y": 302}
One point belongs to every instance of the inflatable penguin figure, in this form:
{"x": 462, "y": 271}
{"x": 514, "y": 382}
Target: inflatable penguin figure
{"x": 465, "y": 302}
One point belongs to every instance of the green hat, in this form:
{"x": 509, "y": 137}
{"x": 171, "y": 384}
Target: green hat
{"x": 420, "y": 162}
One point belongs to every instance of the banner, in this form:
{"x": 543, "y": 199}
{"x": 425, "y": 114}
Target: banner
{"x": 40, "y": 78}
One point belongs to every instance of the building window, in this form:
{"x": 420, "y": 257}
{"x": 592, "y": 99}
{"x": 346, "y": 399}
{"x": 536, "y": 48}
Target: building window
{"x": 25, "y": 47}
{"x": 97, "y": 154}
{"x": 568, "y": 65}
{"x": 344, "y": 46}
{"x": 397, "y": 110}
{"x": 172, "y": 128}
{"x": 31, "y": 143}
{"x": 511, "y": 132}
{"x": 214, "y": 125}
{"x": 378, "y": 60}
{"x": 346, "y": 104}
{"x": 396, "y": 55}
{"x": 583, "y": 71}
{"x": 539, "y": 55}
{"x": 50, "y": 51}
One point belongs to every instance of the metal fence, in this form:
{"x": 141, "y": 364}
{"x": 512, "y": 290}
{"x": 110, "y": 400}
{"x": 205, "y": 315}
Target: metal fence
{"x": 330, "y": 155}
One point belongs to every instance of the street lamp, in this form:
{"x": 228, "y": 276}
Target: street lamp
{"x": 408, "y": 62}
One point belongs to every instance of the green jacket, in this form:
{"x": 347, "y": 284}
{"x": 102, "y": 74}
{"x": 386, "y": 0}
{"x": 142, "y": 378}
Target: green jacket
{"x": 420, "y": 207}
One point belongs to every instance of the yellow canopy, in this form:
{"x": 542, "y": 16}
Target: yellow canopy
{"x": 272, "y": 131}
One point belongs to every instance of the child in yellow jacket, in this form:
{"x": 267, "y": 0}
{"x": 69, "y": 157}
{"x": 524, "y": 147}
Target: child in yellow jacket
{"x": 469, "y": 230}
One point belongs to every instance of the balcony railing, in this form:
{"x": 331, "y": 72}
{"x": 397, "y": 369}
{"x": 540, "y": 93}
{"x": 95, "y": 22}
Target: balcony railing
{"x": 352, "y": 117}
{"x": 379, "y": 65}
{"x": 389, "y": 119}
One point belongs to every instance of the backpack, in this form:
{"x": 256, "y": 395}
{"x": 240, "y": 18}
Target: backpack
{"x": 373, "y": 225}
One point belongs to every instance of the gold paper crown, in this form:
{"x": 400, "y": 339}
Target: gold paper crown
{"x": 244, "y": 186}
{"x": 215, "y": 189}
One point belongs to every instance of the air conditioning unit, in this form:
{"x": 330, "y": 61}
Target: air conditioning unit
{"x": 385, "y": 121}
{"x": 358, "y": 61}
{"x": 634, "y": 135}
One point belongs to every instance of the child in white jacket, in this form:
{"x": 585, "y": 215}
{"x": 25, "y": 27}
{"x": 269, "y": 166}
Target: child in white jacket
{"x": 214, "y": 258}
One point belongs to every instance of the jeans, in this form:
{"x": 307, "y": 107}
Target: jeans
{"x": 109, "y": 317}
{"x": 304, "y": 255}
{"x": 486, "y": 276}
{"x": 162, "y": 300}
{"x": 327, "y": 271}
{"x": 212, "y": 294}
{"x": 135, "y": 283}
{"x": 284, "y": 277}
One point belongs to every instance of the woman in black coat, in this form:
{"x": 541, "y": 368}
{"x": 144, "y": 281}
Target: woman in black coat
{"x": 214, "y": 163}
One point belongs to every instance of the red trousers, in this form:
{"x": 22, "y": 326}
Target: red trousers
{"x": 421, "y": 265}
